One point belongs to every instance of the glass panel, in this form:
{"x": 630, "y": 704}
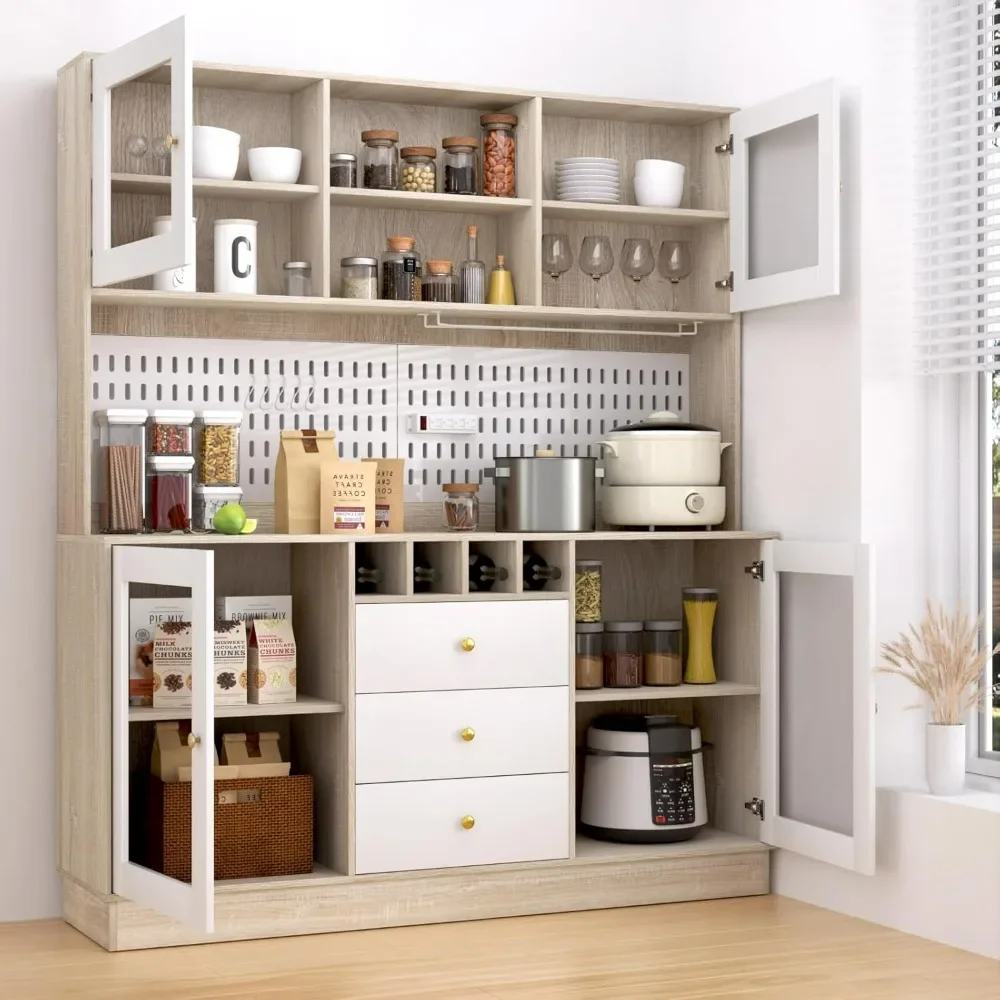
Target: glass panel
{"x": 783, "y": 199}
{"x": 990, "y": 723}
{"x": 815, "y": 701}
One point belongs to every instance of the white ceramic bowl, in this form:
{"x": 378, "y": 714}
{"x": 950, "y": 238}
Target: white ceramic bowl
{"x": 215, "y": 153}
{"x": 276, "y": 164}
{"x": 658, "y": 167}
{"x": 661, "y": 187}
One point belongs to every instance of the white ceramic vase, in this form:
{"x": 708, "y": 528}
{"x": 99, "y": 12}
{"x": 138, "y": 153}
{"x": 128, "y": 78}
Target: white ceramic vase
{"x": 945, "y": 759}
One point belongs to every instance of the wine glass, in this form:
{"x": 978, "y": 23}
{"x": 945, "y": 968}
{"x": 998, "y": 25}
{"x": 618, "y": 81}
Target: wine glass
{"x": 596, "y": 258}
{"x": 637, "y": 262}
{"x": 557, "y": 257}
{"x": 136, "y": 147}
{"x": 675, "y": 264}
{"x": 161, "y": 153}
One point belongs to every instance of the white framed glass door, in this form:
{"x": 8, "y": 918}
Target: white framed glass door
{"x": 785, "y": 199}
{"x": 817, "y": 702}
{"x": 166, "y": 46}
{"x": 135, "y": 567}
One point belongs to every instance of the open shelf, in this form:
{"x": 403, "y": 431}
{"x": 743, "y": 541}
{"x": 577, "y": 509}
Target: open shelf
{"x": 721, "y": 689}
{"x": 238, "y": 190}
{"x": 584, "y": 212}
{"x": 414, "y": 201}
{"x": 709, "y": 841}
{"x": 305, "y": 705}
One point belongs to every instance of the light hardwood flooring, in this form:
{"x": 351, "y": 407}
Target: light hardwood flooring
{"x": 762, "y": 947}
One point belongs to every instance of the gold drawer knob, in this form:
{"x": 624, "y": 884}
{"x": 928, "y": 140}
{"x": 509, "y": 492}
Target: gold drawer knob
{"x": 193, "y": 740}
{"x": 468, "y": 645}
{"x": 468, "y": 735}
{"x": 468, "y": 822}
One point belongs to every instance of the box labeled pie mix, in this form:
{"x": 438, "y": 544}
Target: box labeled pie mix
{"x": 172, "y": 679}
{"x": 143, "y": 616}
{"x": 271, "y": 662}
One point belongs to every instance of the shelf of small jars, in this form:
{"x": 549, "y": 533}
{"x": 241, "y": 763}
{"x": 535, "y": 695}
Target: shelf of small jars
{"x": 418, "y": 201}
{"x": 236, "y": 190}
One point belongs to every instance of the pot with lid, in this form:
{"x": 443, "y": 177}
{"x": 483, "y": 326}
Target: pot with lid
{"x": 663, "y": 450}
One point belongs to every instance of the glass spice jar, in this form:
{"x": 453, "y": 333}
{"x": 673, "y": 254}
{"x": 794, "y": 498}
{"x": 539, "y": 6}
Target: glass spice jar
{"x": 419, "y": 172}
{"x": 343, "y": 170}
{"x": 168, "y": 432}
{"x": 381, "y": 159}
{"x": 623, "y": 654}
{"x": 460, "y": 164}
{"x": 499, "y": 155}
{"x": 440, "y": 285}
{"x": 401, "y": 270}
{"x": 588, "y": 590}
{"x": 208, "y": 501}
{"x": 461, "y": 506}
{"x": 168, "y": 492}
{"x": 359, "y": 277}
{"x": 661, "y": 653}
{"x": 296, "y": 278}
{"x": 589, "y": 655}
{"x": 218, "y": 434}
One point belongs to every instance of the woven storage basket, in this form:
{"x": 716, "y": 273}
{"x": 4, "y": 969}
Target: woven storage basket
{"x": 273, "y": 836}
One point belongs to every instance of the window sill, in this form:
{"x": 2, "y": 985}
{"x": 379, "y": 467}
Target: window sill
{"x": 980, "y": 793}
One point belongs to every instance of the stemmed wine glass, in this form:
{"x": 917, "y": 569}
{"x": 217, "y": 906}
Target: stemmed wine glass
{"x": 161, "y": 153}
{"x": 596, "y": 258}
{"x": 136, "y": 146}
{"x": 637, "y": 262}
{"x": 557, "y": 255}
{"x": 674, "y": 264}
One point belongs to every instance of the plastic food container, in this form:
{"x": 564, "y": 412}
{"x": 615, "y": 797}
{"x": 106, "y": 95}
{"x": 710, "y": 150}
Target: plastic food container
{"x": 169, "y": 432}
{"x": 381, "y": 159}
{"x": 698, "y": 639}
{"x": 589, "y": 655}
{"x": 419, "y": 172}
{"x": 623, "y": 654}
{"x": 219, "y": 447}
{"x": 461, "y": 506}
{"x": 207, "y": 502}
{"x": 123, "y": 460}
{"x": 588, "y": 590}
{"x": 661, "y": 653}
{"x": 296, "y": 277}
{"x": 169, "y": 492}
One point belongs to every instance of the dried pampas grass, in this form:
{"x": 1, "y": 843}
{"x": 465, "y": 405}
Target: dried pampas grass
{"x": 942, "y": 658}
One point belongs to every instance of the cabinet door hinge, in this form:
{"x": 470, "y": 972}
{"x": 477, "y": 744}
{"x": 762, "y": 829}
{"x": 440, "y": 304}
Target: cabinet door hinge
{"x": 755, "y": 806}
{"x": 725, "y": 147}
{"x": 725, "y": 284}
{"x": 756, "y": 570}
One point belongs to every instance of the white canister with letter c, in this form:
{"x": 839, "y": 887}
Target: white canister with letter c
{"x": 236, "y": 256}
{"x": 177, "y": 279}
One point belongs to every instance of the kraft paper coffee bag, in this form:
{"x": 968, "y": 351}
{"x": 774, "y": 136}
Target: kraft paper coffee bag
{"x": 347, "y": 498}
{"x": 388, "y": 494}
{"x": 296, "y": 480}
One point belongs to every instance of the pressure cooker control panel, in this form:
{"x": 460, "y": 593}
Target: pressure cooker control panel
{"x": 671, "y": 782}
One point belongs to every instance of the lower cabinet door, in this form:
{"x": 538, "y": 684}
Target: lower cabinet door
{"x": 404, "y": 826}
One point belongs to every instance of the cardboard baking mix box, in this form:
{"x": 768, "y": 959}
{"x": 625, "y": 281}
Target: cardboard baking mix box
{"x": 347, "y": 497}
{"x": 143, "y": 616}
{"x": 245, "y": 609}
{"x": 388, "y": 494}
{"x": 271, "y": 662}
{"x": 172, "y": 664}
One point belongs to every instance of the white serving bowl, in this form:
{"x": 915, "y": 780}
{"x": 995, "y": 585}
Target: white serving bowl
{"x": 215, "y": 153}
{"x": 275, "y": 164}
{"x": 660, "y": 187}
{"x": 658, "y": 167}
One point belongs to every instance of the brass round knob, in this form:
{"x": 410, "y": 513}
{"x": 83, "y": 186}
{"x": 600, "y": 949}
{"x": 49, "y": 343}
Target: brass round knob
{"x": 193, "y": 740}
{"x": 468, "y": 645}
{"x": 468, "y": 822}
{"x": 169, "y": 140}
{"x": 468, "y": 735}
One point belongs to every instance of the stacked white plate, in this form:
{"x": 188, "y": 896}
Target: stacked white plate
{"x": 594, "y": 179}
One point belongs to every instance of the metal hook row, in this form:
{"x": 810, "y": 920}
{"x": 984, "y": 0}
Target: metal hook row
{"x": 291, "y": 393}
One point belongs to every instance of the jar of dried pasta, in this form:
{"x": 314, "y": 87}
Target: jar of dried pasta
{"x": 218, "y": 436}
{"x": 588, "y": 590}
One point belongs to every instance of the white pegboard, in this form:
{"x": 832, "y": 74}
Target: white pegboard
{"x": 523, "y": 399}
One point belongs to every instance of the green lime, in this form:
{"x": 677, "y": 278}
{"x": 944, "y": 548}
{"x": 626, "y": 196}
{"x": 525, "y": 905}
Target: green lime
{"x": 229, "y": 519}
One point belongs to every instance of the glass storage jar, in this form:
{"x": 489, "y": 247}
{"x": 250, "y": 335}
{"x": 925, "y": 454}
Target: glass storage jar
{"x": 461, "y": 506}
{"x": 622, "y": 654}
{"x": 218, "y": 434}
{"x": 661, "y": 653}
{"x": 698, "y": 638}
{"x": 343, "y": 170}
{"x": 588, "y": 590}
{"x": 419, "y": 171}
{"x": 123, "y": 461}
{"x": 296, "y": 278}
{"x": 207, "y": 502}
{"x": 401, "y": 270}
{"x": 439, "y": 285}
{"x": 381, "y": 159}
{"x": 499, "y": 155}
{"x": 169, "y": 432}
{"x": 359, "y": 277}
{"x": 460, "y": 164}
{"x": 168, "y": 492}
{"x": 589, "y": 655}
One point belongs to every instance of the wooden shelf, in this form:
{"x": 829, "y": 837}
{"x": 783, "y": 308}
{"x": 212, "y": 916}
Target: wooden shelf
{"x": 237, "y": 190}
{"x": 584, "y": 212}
{"x": 533, "y": 595}
{"x": 722, "y": 689}
{"x": 709, "y": 841}
{"x": 303, "y": 706}
{"x": 414, "y": 201}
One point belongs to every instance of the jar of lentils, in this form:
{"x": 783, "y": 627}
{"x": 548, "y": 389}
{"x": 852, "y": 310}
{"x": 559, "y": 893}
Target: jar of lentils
{"x": 460, "y": 164}
{"x": 359, "y": 278}
{"x": 419, "y": 172}
{"x": 343, "y": 170}
{"x": 499, "y": 155}
{"x": 381, "y": 159}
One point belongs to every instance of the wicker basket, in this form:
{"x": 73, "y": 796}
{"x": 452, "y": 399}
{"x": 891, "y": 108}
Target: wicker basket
{"x": 253, "y": 839}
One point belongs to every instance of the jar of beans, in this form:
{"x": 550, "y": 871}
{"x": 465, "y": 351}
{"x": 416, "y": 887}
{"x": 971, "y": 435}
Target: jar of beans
{"x": 499, "y": 155}
{"x": 218, "y": 433}
{"x": 460, "y": 164}
{"x": 439, "y": 284}
{"x": 168, "y": 492}
{"x": 168, "y": 432}
{"x": 419, "y": 172}
{"x": 401, "y": 270}
{"x": 381, "y": 159}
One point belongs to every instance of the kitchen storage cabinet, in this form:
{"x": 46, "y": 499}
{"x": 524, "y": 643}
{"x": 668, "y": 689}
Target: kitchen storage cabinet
{"x": 442, "y": 726}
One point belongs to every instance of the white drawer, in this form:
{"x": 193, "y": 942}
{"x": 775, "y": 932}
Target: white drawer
{"x": 419, "y": 647}
{"x": 461, "y": 734}
{"x": 418, "y": 824}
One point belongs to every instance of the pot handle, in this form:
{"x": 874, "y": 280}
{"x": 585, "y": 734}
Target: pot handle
{"x": 610, "y": 445}
{"x": 724, "y": 446}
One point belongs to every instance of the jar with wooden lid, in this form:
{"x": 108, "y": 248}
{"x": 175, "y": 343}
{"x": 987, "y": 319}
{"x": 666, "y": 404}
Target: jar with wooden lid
{"x": 380, "y": 159}
{"x": 623, "y": 654}
{"x": 661, "y": 653}
{"x": 589, "y": 655}
{"x": 419, "y": 172}
{"x": 401, "y": 270}
{"x": 460, "y": 164}
{"x": 439, "y": 284}
{"x": 499, "y": 155}
{"x": 461, "y": 506}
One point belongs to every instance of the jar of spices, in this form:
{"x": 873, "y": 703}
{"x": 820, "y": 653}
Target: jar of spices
{"x": 661, "y": 653}
{"x": 439, "y": 285}
{"x": 207, "y": 502}
{"x": 401, "y": 270}
{"x": 381, "y": 159}
{"x": 123, "y": 447}
{"x": 419, "y": 171}
{"x": 698, "y": 639}
{"x": 623, "y": 654}
{"x": 169, "y": 432}
{"x": 499, "y": 155}
{"x": 218, "y": 433}
{"x": 168, "y": 492}
{"x": 296, "y": 278}
{"x": 359, "y": 277}
{"x": 460, "y": 164}
{"x": 589, "y": 655}
{"x": 343, "y": 170}
{"x": 461, "y": 506}
{"x": 588, "y": 590}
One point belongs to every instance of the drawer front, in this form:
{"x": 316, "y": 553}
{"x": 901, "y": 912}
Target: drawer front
{"x": 419, "y": 647}
{"x": 418, "y": 824}
{"x": 461, "y": 734}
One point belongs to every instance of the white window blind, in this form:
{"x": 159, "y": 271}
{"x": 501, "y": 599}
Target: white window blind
{"x": 958, "y": 187}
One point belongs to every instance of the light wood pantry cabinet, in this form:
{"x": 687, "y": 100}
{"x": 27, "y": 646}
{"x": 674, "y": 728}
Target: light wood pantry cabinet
{"x": 442, "y": 730}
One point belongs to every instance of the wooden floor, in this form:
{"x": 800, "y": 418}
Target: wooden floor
{"x": 762, "y": 947}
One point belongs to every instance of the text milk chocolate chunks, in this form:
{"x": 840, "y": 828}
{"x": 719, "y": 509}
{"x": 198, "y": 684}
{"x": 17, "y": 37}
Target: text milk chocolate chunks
{"x": 297, "y": 480}
{"x": 388, "y": 494}
{"x": 347, "y": 502}
{"x": 271, "y": 662}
